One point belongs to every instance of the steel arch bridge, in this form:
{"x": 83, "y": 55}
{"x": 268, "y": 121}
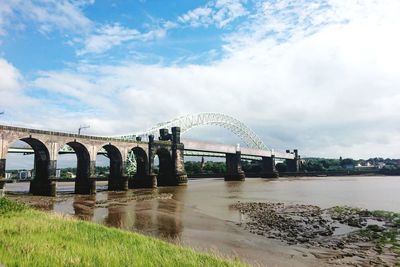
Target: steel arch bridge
{"x": 248, "y": 136}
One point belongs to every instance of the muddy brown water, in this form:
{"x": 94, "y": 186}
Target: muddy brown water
{"x": 199, "y": 214}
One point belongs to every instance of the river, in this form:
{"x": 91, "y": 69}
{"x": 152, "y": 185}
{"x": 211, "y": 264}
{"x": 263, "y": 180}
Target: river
{"x": 199, "y": 214}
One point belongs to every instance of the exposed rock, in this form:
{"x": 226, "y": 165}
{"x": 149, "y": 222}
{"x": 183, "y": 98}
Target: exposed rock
{"x": 353, "y": 234}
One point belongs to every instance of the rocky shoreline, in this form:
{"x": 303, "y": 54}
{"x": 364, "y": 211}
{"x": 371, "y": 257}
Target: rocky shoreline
{"x": 355, "y": 237}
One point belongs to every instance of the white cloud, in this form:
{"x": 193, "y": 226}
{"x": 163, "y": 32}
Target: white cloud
{"x": 13, "y": 99}
{"x": 219, "y": 13}
{"x": 48, "y": 15}
{"x": 108, "y": 36}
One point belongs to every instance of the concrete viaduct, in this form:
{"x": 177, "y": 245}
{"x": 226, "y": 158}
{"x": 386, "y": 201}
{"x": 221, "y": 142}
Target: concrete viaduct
{"x": 169, "y": 148}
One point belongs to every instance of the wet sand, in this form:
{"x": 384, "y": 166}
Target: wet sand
{"x": 200, "y": 214}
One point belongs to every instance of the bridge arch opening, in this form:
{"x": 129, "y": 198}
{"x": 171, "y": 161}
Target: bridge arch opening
{"x": 42, "y": 159}
{"x": 66, "y": 163}
{"x": 78, "y": 168}
{"x": 115, "y": 166}
{"x": 140, "y": 168}
{"x": 36, "y": 167}
{"x": 165, "y": 168}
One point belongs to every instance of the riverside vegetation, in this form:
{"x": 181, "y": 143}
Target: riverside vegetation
{"x": 352, "y": 236}
{"x": 29, "y": 237}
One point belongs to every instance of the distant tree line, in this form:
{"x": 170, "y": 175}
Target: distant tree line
{"x": 384, "y": 166}
{"x": 322, "y": 164}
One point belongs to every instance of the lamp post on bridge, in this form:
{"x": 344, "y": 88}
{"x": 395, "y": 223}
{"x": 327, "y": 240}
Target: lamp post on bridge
{"x": 82, "y": 127}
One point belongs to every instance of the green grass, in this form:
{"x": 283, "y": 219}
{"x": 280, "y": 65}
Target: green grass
{"x": 34, "y": 238}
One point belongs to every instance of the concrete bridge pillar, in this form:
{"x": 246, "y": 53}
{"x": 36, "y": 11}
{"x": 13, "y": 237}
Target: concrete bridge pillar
{"x": 234, "y": 170}
{"x": 91, "y": 187}
{"x": 169, "y": 150}
{"x": 293, "y": 165}
{"x": 268, "y": 167}
{"x": 43, "y": 184}
{"x": 123, "y": 182}
{"x": 178, "y": 157}
{"x": 149, "y": 179}
{"x": 2, "y": 176}
{"x": 84, "y": 183}
{"x": 118, "y": 180}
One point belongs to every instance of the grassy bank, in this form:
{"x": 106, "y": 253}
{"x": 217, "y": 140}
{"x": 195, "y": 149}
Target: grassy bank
{"x": 33, "y": 238}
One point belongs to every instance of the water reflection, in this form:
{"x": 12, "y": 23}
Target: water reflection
{"x": 84, "y": 207}
{"x": 117, "y": 213}
{"x": 144, "y": 219}
{"x": 234, "y": 188}
{"x": 153, "y": 216}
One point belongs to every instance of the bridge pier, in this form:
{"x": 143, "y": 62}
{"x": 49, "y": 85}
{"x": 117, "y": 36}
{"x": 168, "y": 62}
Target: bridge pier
{"x": 42, "y": 187}
{"x": 118, "y": 184}
{"x": 120, "y": 181}
{"x": 234, "y": 170}
{"x": 2, "y": 185}
{"x": 43, "y": 183}
{"x": 170, "y": 153}
{"x": 84, "y": 184}
{"x": 2, "y": 176}
{"x": 178, "y": 157}
{"x": 268, "y": 167}
{"x": 143, "y": 181}
{"x": 293, "y": 165}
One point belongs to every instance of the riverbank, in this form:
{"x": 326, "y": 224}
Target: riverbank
{"x": 29, "y": 237}
{"x": 351, "y": 236}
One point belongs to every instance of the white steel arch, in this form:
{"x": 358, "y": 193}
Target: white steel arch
{"x": 248, "y": 136}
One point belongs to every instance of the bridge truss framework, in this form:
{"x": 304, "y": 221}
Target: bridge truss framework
{"x": 188, "y": 122}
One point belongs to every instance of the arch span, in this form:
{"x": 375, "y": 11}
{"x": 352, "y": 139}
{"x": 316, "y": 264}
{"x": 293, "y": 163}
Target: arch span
{"x": 116, "y": 167}
{"x": 247, "y": 135}
{"x": 44, "y": 168}
{"x": 165, "y": 168}
{"x": 82, "y": 182}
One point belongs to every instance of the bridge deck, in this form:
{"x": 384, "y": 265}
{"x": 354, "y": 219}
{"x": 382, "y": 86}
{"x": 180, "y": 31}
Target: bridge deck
{"x": 190, "y": 145}
{"x": 223, "y": 148}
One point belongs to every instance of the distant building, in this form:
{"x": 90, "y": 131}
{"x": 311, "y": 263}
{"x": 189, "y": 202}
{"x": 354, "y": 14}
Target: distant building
{"x": 70, "y": 175}
{"x": 24, "y": 175}
{"x": 380, "y": 165}
{"x": 367, "y": 165}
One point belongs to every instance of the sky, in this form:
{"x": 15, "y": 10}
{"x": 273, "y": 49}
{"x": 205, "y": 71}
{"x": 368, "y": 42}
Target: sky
{"x": 320, "y": 76}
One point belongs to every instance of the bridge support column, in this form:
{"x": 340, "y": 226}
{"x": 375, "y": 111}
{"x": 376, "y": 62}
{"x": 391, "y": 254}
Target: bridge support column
{"x": 234, "y": 170}
{"x": 178, "y": 157}
{"x": 268, "y": 167}
{"x": 44, "y": 185}
{"x": 85, "y": 183}
{"x": 119, "y": 183}
{"x": 293, "y": 165}
{"x": 2, "y": 176}
{"x": 143, "y": 181}
{"x": 149, "y": 180}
